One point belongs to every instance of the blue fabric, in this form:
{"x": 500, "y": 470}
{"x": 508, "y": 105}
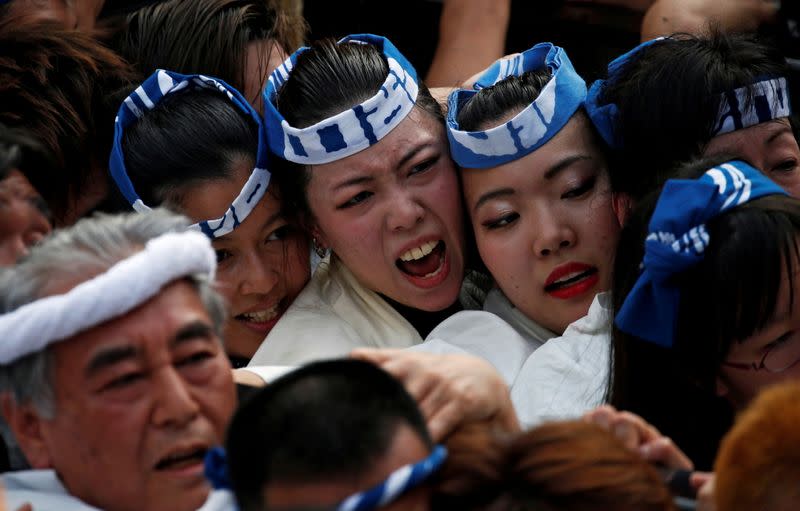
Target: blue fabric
{"x": 605, "y": 117}
{"x": 216, "y": 468}
{"x": 398, "y": 483}
{"x": 352, "y": 130}
{"x": 762, "y": 101}
{"x": 146, "y": 97}
{"x": 677, "y": 240}
{"x": 531, "y": 128}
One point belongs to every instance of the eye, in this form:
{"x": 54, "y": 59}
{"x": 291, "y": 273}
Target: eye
{"x": 194, "y": 359}
{"x": 356, "y": 200}
{"x": 424, "y": 166}
{"x": 785, "y": 166}
{"x": 222, "y": 255}
{"x": 777, "y": 343}
{"x": 581, "y": 189}
{"x": 281, "y": 233}
{"x": 501, "y": 222}
{"x": 123, "y": 381}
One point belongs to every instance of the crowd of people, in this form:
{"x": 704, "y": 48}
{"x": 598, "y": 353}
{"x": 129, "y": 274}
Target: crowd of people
{"x": 243, "y": 267}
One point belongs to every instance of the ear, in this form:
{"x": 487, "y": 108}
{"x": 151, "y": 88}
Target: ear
{"x": 320, "y": 238}
{"x": 622, "y": 204}
{"x": 26, "y": 425}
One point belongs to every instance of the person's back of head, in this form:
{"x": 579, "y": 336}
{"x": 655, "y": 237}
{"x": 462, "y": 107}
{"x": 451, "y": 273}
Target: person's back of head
{"x": 58, "y": 84}
{"x": 669, "y": 96}
{"x": 758, "y": 466}
{"x": 560, "y": 466}
{"x": 234, "y": 40}
{"x": 320, "y": 433}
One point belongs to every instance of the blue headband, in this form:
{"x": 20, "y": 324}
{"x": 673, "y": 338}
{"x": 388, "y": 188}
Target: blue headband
{"x": 531, "y": 128}
{"x": 677, "y": 240}
{"x": 352, "y": 130}
{"x": 399, "y": 482}
{"x": 605, "y": 117}
{"x": 146, "y": 97}
{"x": 770, "y": 100}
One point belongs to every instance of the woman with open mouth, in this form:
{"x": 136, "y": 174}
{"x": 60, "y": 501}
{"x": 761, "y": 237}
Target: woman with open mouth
{"x": 192, "y": 143}
{"x": 367, "y": 172}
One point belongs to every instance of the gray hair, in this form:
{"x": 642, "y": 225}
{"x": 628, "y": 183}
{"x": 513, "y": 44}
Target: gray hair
{"x": 68, "y": 257}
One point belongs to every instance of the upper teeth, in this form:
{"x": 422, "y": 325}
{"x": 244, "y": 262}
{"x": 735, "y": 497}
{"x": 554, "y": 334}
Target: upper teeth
{"x": 419, "y": 252}
{"x": 568, "y": 277}
{"x": 261, "y": 316}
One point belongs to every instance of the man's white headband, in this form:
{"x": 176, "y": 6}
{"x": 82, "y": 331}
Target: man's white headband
{"x": 158, "y": 86}
{"x": 123, "y": 287}
{"x": 753, "y": 104}
{"x": 352, "y": 130}
{"x": 531, "y": 128}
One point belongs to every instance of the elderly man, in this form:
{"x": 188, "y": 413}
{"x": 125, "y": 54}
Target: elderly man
{"x": 114, "y": 378}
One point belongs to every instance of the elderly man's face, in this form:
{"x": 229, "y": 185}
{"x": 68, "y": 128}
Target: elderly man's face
{"x": 139, "y": 400}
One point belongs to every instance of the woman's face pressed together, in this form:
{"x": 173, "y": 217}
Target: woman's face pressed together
{"x": 263, "y": 264}
{"x": 774, "y": 350}
{"x": 392, "y": 214}
{"x": 770, "y": 147}
{"x": 545, "y": 226}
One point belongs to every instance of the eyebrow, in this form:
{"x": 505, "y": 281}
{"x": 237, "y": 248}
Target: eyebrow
{"x": 114, "y": 355}
{"x": 354, "y": 181}
{"x": 778, "y": 132}
{"x": 553, "y": 171}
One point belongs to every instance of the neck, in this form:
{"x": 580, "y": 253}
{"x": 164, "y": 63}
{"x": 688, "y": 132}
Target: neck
{"x": 423, "y": 321}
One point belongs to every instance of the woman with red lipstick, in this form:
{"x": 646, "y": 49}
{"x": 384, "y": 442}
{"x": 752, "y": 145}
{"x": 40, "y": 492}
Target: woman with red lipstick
{"x": 368, "y": 174}
{"x": 537, "y": 191}
{"x": 197, "y": 150}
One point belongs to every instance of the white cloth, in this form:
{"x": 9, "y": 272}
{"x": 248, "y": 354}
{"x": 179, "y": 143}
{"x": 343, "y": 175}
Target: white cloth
{"x": 120, "y": 289}
{"x": 333, "y": 315}
{"x": 568, "y": 375}
{"x": 43, "y": 490}
{"x": 535, "y": 334}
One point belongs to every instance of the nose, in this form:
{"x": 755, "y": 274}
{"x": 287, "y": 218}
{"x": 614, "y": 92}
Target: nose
{"x": 405, "y": 211}
{"x": 260, "y": 274}
{"x": 554, "y": 235}
{"x": 175, "y": 405}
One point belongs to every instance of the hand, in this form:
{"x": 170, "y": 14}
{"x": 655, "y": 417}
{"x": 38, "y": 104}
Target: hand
{"x": 451, "y": 390}
{"x": 245, "y": 377}
{"x": 703, "y": 482}
{"x": 638, "y": 435}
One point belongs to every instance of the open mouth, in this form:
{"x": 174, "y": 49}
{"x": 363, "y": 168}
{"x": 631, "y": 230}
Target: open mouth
{"x": 182, "y": 459}
{"x": 425, "y": 261}
{"x": 573, "y": 283}
{"x": 263, "y": 320}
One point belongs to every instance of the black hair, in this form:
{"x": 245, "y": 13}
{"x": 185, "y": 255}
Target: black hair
{"x": 190, "y": 136}
{"x": 727, "y": 297}
{"x": 327, "y": 79}
{"x": 326, "y": 421}
{"x": 495, "y": 102}
{"x": 206, "y": 36}
{"x": 669, "y": 97}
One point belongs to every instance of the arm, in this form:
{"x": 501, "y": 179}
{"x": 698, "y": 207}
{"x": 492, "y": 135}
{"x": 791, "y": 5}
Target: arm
{"x": 472, "y": 35}
{"x": 667, "y": 17}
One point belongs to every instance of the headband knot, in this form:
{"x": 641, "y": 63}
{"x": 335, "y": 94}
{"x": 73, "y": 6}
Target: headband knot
{"x": 531, "y": 128}
{"x": 158, "y": 86}
{"x": 352, "y": 130}
{"x": 677, "y": 240}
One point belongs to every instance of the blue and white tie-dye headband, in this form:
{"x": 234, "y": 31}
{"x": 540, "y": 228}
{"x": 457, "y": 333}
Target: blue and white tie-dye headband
{"x": 398, "y": 483}
{"x": 146, "y": 97}
{"x": 677, "y": 241}
{"x": 352, "y": 130}
{"x": 762, "y": 101}
{"x": 531, "y": 128}
{"x": 605, "y": 117}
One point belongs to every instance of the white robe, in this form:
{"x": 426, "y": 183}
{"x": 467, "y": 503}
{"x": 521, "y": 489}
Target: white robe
{"x": 568, "y": 375}
{"x": 44, "y": 491}
{"x": 333, "y": 315}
